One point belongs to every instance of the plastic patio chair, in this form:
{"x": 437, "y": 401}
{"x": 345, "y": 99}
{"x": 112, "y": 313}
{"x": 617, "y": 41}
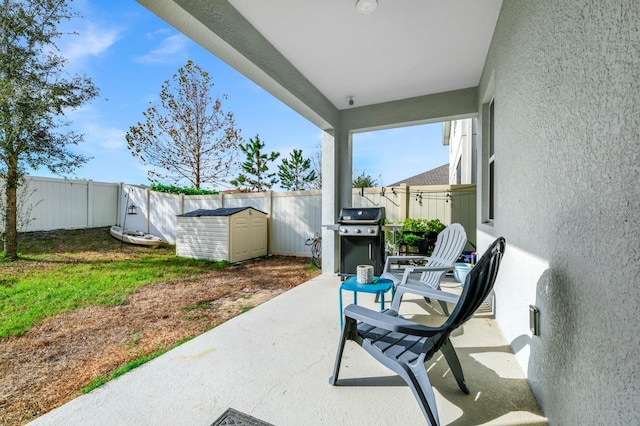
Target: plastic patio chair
{"x": 447, "y": 250}
{"x": 404, "y": 346}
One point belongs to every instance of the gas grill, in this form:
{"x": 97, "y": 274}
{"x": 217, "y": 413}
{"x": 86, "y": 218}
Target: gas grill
{"x": 361, "y": 239}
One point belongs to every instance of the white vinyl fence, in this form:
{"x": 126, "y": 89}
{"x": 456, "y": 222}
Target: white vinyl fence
{"x": 46, "y": 203}
{"x": 292, "y": 216}
{"x": 448, "y": 203}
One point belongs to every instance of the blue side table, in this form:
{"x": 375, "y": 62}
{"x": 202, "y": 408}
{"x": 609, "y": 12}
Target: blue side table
{"x": 381, "y": 286}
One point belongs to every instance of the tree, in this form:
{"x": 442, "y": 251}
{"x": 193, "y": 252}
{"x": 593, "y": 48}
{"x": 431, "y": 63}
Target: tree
{"x": 316, "y": 164}
{"x": 364, "y": 180}
{"x": 35, "y": 94}
{"x": 255, "y": 174}
{"x": 189, "y": 138}
{"x": 295, "y": 173}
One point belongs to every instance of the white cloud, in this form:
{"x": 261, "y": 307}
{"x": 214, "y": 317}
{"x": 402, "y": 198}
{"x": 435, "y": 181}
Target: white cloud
{"x": 154, "y": 34}
{"x": 169, "y": 50}
{"x": 91, "y": 40}
{"x": 100, "y": 138}
{"x": 99, "y": 135}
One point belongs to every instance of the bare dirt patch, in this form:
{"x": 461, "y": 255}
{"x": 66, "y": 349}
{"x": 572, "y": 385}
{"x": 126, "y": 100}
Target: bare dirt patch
{"x": 47, "y": 366}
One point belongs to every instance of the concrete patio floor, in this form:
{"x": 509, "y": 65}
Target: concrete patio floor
{"x": 274, "y": 362}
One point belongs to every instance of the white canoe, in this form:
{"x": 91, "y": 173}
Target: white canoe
{"x": 135, "y": 237}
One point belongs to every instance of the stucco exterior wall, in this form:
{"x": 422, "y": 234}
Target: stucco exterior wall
{"x": 567, "y": 117}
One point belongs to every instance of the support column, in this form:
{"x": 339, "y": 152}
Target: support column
{"x": 336, "y": 191}
{"x": 329, "y": 161}
{"x": 345, "y": 169}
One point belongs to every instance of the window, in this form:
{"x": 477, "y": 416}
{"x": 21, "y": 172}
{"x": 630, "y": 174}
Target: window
{"x": 491, "y": 186}
{"x": 486, "y": 161}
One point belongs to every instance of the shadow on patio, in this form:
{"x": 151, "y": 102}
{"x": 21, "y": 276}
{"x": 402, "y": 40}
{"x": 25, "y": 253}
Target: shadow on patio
{"x": 274, "y": 362}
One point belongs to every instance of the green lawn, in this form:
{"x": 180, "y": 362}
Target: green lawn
{"x": 72, "y": 269}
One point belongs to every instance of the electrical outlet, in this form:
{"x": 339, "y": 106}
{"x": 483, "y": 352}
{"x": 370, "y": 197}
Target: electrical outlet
{"x": 534, "y": 320}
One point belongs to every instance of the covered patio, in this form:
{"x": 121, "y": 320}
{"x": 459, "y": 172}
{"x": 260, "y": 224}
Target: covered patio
{"x": 555, "y": 89}
{"x": 273, "y": 363}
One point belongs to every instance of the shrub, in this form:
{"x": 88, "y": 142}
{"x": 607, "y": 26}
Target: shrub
{"x": 424, "y": 226}
{"x": 172, "y": 189}
{"x": 415, "y": 231}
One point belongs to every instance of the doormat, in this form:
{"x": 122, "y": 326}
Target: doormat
{"x": 232, "y": 417}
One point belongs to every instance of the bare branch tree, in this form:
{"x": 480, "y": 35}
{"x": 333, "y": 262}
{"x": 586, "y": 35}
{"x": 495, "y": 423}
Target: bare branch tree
{"x": 188, "y": 138}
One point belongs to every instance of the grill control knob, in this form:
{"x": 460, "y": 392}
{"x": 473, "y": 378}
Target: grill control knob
{"x": 372, "y": 230}
{"x": 344, "y": 230}
{"x": 358, "y": 230}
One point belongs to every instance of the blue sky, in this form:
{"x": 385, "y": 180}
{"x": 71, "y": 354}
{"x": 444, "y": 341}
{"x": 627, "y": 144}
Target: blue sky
{"x": 128, "y": 53}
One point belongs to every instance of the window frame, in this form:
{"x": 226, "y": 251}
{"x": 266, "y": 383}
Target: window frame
{"x": 491, "y": 162}
{"x": 487, "y": 157}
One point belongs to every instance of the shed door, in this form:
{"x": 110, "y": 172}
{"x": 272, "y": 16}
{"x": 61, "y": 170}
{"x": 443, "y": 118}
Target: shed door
{"x": 248, "y": 237}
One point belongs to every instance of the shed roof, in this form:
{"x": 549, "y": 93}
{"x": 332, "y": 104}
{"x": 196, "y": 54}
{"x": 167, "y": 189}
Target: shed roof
{"x": 228, "y": 211}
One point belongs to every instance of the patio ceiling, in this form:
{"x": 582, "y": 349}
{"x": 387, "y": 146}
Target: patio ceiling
{"x": 316, "y": 55}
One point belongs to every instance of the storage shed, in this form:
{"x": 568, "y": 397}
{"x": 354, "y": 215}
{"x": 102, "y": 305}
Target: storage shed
{"x": 232, "y": 234}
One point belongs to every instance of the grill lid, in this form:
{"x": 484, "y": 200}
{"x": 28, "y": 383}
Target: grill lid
{"x": 361, "y": 215}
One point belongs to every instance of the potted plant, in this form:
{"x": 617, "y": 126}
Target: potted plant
{"x": 419, "y": 235}
{"x": 411, "y": 239}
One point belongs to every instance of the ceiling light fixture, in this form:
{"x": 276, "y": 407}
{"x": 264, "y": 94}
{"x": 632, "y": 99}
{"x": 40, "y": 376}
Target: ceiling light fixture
{"x": 366, "y": 6}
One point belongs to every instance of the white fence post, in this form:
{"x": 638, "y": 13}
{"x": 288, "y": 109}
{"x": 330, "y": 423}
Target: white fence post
{"x": 119, "y": 204}
{"x": 90, "y": 204}
{"x": 148, "y": 207}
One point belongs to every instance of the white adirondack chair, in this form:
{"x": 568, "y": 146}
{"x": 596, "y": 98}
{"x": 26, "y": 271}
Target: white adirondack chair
{"x": 448, "y": 247}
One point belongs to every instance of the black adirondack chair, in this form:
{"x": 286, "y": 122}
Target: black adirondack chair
{"x": 404, "y": 346}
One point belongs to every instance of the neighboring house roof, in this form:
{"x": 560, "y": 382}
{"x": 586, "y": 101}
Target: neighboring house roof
{"x": 437, "y": 176}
